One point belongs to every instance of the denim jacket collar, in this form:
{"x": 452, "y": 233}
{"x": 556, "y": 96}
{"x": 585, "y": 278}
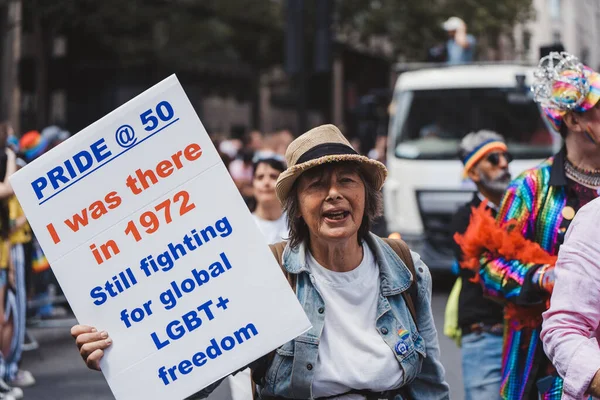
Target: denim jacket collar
{"x": 393, "y": 280}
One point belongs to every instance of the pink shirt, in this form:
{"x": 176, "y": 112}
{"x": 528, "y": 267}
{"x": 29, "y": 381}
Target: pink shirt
{"x": 572, "y": 324}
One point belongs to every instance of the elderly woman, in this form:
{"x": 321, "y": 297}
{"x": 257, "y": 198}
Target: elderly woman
{"x": 365, "y": 341}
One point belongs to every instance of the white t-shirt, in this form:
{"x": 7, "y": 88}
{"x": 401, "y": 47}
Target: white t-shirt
{"x": 273, "y": 231}
{"x": 352, "y": 354}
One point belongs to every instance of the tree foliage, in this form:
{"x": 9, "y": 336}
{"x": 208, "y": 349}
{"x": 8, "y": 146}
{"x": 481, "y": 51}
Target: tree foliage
{"x": 252, "y": 31}
{"x": 178, "y": 31}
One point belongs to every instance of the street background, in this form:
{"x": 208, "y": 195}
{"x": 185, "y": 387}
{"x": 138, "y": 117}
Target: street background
{"x": 260, "y": 73}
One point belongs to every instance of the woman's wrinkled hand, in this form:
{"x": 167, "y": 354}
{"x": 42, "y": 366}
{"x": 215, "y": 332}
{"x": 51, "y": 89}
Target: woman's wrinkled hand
{"x": 91, "y": 344}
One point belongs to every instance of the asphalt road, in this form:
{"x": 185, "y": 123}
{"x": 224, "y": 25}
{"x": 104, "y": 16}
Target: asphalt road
{"x": 61, "y": 374}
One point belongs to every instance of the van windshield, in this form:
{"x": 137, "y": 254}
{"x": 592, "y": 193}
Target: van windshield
{"x": 429, "y": 124}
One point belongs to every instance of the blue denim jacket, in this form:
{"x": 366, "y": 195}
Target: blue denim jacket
{"x": 291, "y": 371}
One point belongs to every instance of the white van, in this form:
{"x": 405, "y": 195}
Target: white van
{"x": 432, "y": 109}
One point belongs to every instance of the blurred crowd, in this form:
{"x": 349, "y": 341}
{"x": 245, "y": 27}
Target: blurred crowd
{"x": 28, "y": 289}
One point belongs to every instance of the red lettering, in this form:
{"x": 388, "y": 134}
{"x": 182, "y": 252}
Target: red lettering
{"x": 142, "y": 180}
{"x": 193, "y": 152}
{"x": 177, "y": 159}
{"x": 164, "y": 168}
{"x": 78, "y": 220}
{"x": 53, "y": 233}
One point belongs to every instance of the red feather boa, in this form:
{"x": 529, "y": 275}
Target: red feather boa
{"x": 485, "y": 235}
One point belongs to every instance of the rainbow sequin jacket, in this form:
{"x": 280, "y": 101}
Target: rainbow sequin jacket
{"x": 534, "y": 202}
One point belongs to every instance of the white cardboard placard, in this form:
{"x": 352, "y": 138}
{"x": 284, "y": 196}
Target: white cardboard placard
{"x": 151, "y": 241}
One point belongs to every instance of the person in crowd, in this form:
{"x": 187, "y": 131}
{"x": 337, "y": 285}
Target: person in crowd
{"x": 268, "y": 213}
{"x": 518, "y": 253}
{"x": 254, "y": 140}
{"x": 460, "y": 47}
{"x": 379, "y": 152}
{"x": 282, "y": 139}
{"x": 20, "y": 239}
{"x": 31, "y": 146}
{"x": 485, "y": 158}
{"x": 240, "y": 170}
{"x": 53, "y": 136}
{"x": 365, "y": 340}
{"x": 571, "y": 326}
{"x": 228, "y": 147}
{"x": 7, "y": 273}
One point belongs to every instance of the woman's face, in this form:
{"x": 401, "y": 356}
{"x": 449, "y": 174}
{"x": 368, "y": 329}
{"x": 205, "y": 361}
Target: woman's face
{"x": 332, "y": 202}
{"x": 265, "y": 178}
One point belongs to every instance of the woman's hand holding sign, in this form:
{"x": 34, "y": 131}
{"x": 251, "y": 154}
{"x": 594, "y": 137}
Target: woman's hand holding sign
{"x": 91, "y": 344}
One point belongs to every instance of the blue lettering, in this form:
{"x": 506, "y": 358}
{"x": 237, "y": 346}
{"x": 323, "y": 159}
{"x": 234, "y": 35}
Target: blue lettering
{"x": 57, "y": 174}
{"x": 159, "y": 345}
{"x": 227, "y": 343}
{"x": 98, "y": 294}
{"x": 69, "y": 166}
{"x": 185, "y": 367}
{"x": 191, "y": 320}
{"x": 82, "y": 162}
{"x": 213, "y": 351}
{"x": 98, "y": 148}
{"x": 80, "y": 165}
{"x": 199, "y": 359}
{"x": 175, "y": 330}
{"x": 38, "y": 185}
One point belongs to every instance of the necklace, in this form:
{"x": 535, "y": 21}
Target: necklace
{"x": 584, "y": 177}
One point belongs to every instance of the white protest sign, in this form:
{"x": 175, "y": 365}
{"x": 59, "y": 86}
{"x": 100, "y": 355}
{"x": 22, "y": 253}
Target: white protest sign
{"x": 151, "y": 241}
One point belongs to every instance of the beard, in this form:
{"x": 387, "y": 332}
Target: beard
{"x": 496, "y": 185}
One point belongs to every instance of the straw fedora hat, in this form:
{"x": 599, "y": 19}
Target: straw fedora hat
{"x": 323, "y": 144}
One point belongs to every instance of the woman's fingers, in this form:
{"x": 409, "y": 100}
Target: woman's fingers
{"x": 93, "y": 361}
{"x": 79, "y": 329}
{"x": 89, "y": 338}
{"x": 91, "y": 344}
{"x": 89, "y": 347}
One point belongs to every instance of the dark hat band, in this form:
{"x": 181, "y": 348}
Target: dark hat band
{"x": 325, "y": 149}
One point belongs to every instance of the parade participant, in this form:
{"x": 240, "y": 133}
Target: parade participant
{"x": 572, "y": 324}
{"x": 20, "y": 239}
{"x": 355, "y": 288}
{"x": 485, "y": 157}
{"x": 519, "y": 252}
{"x": 268, "y": 213}
{"x": 7, "y": 272}
{"x": 460, "y": 47}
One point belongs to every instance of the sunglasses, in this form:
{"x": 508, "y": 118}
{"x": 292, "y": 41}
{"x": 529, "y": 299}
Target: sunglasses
{"x": 494, "y": 158}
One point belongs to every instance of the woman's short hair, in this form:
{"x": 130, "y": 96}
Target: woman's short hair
{"x": 373, "y": 205}
{"x": 271, "y": 162}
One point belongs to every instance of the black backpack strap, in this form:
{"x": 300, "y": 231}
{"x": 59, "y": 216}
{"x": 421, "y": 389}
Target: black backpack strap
{"x": 410, "y": 295}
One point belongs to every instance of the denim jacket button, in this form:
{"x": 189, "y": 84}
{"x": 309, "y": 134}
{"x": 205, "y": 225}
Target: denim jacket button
{"x": 309, "y": 367}
{"x": 321, "y": 310}
{"x": 384, "y": 331}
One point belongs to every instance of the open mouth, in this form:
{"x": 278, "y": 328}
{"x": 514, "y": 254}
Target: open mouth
{"x": 336, "y": 215}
